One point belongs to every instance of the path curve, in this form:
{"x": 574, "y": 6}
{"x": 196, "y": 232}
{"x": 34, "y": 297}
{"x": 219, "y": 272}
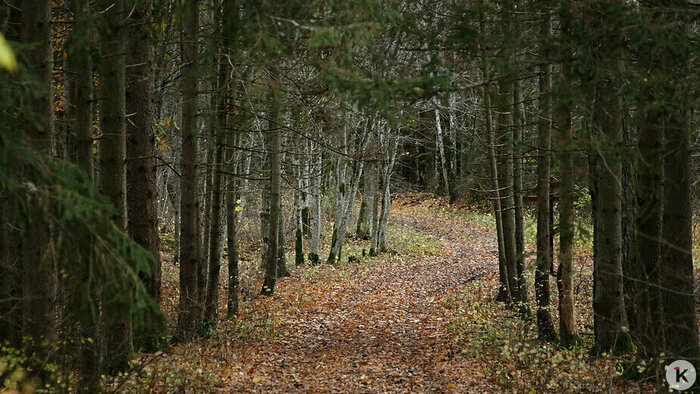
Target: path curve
{"x": 384, "y": 329}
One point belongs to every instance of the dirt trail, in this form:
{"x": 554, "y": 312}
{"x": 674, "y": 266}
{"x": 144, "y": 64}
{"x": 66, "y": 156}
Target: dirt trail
{"x": 384, "y": 328}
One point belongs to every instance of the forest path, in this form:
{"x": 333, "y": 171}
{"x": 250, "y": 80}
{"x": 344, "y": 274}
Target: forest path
{"x": 377, "y": 327}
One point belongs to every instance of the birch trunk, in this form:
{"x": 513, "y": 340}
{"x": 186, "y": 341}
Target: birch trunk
{"x": 386, "y": 199}
{"x": 443, "y": 159}
{"x": 316, "y": 204}
{"x": 342, "y": 226}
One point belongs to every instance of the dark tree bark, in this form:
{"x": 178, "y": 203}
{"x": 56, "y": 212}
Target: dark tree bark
{"x": 563, "y": 116}
{"x": 282, "y": 271}
{"x": 80, "y": 62}
{"x": 505, "y": 174}
{"x": 679, "y": 302}
{"x": 545, "y": 326}
{"x": 504, "y": 293}
{"x": 38, "y": 322}
{"x": 118, "y": 336}
{"x": 611, "y": 329}
{"x": 10, "y": 246}
{"x": 518, "y": 121}
{"x": 649, "y": 213}
{"x": 190, "y": 308}
{"x": 141, "y": 193}
{"x": 273, "y": 147}
{"x": 229, "y": 26}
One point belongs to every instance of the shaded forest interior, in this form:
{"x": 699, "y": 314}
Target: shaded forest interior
{"x": 230, "y": 195}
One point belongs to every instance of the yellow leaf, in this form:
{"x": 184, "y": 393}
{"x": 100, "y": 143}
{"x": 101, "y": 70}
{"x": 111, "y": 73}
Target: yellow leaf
{"x": 7, "y": 57}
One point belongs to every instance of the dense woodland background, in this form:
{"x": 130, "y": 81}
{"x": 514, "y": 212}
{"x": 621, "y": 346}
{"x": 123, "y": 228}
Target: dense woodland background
{"x": 239, "y": 140}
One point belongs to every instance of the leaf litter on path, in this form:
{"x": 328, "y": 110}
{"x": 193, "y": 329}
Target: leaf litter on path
{"x": 421, "y": 319}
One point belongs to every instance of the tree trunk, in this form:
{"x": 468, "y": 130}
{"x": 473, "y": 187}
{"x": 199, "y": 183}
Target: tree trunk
{"x": 316, "y": 203}
{"x": 39, "y": 276}
{"x": 273, "y": 148}
{"x": 190, "y": 309}
{"x": 141, "y": 193}
{"x": 282, "y": 271}
{"x": 563, "y": 113}
{"x": 386, "y": 198}
{"x": 518, "y": 121}
{"x": 441, "y": 149}
{"x": 452, "y": 103}
{"x": 344, "y": 219}
{"x": 680, "y": 320}
{"x": 373, "y": 191}
{"x": 504, "y": 293}
{"x": 112, "y": 29}
{"x": 611, "y": 330}
{"x": 232, "y": 165}
{"x": 206, "y": 214}
{"x": 80, "y": 62}
{"x": 545, "y": 326}
{"x": 232, "y": 240}
{"x": 505, "y": 173}
{"x": 212, "y": 290}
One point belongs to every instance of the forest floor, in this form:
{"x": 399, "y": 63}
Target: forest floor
{"x": 420, "y": 318}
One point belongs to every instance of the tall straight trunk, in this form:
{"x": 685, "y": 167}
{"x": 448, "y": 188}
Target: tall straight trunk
{"x": 504, "y": 293}
{"x": 282, "y": 271}
{"x": 232, "y": 236}
{"x": 206, "y": 214}
{"x": 665, "y": 211}
{"x": 39, "y": 276}
{"x": 611, "y": 330}
{"x": 608, "y": 302}
{"x": 229, "y": 27}
{"x": 563, "y": 113}
{"x": 545, "y": 326}
{"x": 299, "y": 205}
{"x": 452, "y": 103}
{"x": 112, "y": 31}
{"x": 342, "y": 226}
{"x": 212, "y": 290}
{"x": 441, "y": 148}
{"x": 273, "y": 147}
{"x": 504, "y": 133}
{"x": 649, "y": 198}
{"x": 386, "y": 197}
{"x": 343, "y": 178}
{"x": 265, "y": 207}
{"x": 248, "y": 159}
{"x": 518, "y": 124}
{"x": 373, "y": 174}
{"x": 80, "y": 62}
{"x": 316, "y": 203}
{"x": 177, "y": 203}
{"x": 630, "y": 262}
{"x": 141, "y": 193}
{"x": 679, "y": 299}
{"x": 361, "y": 228}
{"x": 518, "y": 121}
{"x": 505, "y": 173}
{"x": 190, "y": 309}
{"x": 82, "y": 99}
